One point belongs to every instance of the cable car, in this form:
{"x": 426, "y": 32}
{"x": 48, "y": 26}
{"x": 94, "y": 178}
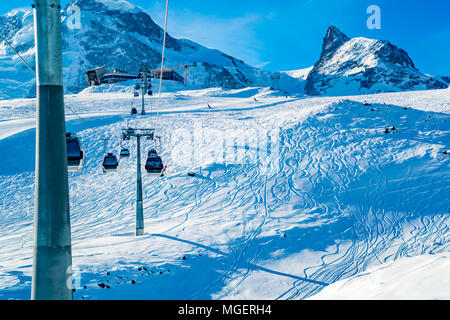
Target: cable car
{"x": 75, "y": 156}
{"x": 137, "y": 87}
{"x": 136, "y": 94}
{"x": 154, "y": 165}
{"x": 150, "y": 92}
{"x": 110, "y": 163}
{"x": 124, "y": 153}
{"x": 133, "y": 111}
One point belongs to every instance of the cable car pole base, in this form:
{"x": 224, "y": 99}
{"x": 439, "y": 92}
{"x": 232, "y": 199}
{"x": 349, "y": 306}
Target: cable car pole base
{"x": 139, "y": 232}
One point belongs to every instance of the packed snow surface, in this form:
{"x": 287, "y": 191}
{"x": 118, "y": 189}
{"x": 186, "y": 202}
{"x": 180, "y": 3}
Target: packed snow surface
{"x": 408, "y": 278}
{"x": 290, "y": 195}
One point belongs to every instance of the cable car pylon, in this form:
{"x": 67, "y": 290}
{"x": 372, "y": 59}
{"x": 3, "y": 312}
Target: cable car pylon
{"x": 127, "y": 134}
{"x": 144, "y": 75}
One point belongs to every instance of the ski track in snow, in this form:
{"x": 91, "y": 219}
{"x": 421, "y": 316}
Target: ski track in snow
{"x": 340, "y": 188}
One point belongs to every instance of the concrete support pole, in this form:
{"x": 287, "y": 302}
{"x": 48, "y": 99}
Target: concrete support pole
{"x": 139, "y": 198}
{"x": 52, "y": 256}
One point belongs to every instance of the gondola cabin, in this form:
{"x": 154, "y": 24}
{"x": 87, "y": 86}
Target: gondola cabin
{"x": 75, "y": 156}
{"x": 110, "y": 163}
{"x": 154, "y": 165}
{"x": 133, "y": 111}
{"x": 124, "y": 153}
{"x": 136, "y": 94}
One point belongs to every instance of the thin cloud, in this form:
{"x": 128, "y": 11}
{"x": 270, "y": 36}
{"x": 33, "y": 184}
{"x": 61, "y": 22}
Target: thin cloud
{"x": 263, "y": 64}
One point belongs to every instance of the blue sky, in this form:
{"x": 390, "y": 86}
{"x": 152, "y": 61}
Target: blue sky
{"x": 287, "y": 34}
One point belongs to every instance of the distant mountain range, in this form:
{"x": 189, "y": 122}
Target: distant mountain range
{"x": 119, "y": 35}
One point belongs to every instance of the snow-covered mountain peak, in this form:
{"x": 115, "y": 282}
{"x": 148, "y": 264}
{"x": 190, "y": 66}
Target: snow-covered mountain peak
{"x": 300, "y": 73}
{"x": 111, "y": 19}
{"x": 120, "y": 35}
{"x": 14, "y": 21}
{"x": 361, "y": 65}
{"x": 333, "y": 33}
{"x": 20, "y": 12}
{"x": 334, "y": 38}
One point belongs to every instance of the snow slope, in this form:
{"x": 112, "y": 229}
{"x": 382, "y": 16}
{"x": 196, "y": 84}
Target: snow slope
{"x": 290, "y": 195}
{"x": 409, "y": 278}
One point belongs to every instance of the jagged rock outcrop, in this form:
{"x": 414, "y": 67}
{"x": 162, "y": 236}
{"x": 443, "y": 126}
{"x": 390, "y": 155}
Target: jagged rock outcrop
{"x": 361, "y": 66}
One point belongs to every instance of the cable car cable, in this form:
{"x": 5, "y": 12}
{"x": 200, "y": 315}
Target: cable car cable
{"x": 18, "y": 54}
{"x": 162, "y": 66}
{"x": 34, "y": 72}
